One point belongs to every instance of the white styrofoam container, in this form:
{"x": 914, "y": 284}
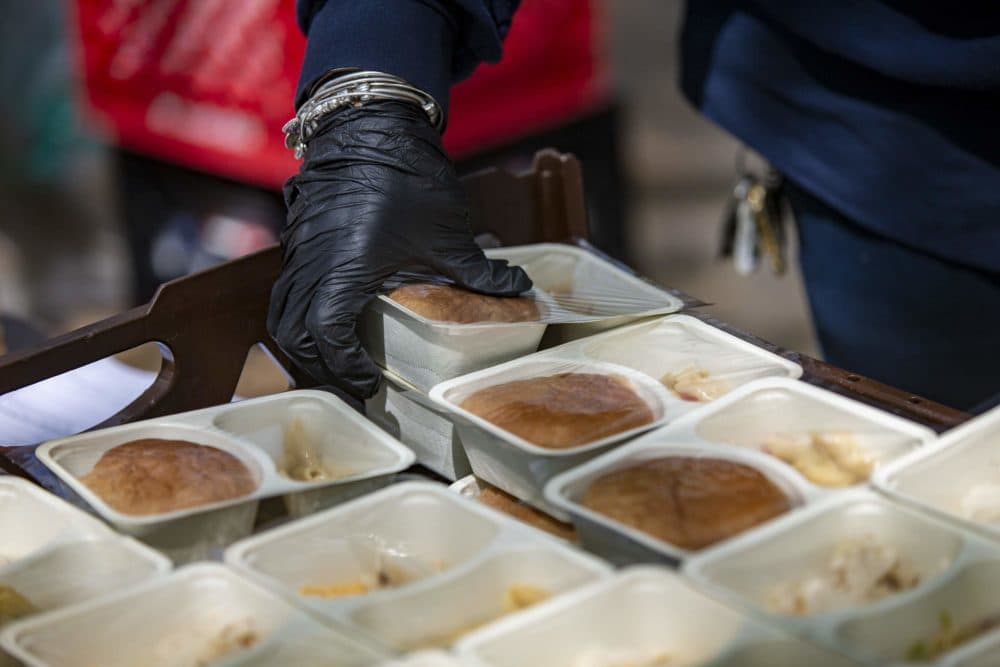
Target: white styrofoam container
{"x": 409, "y": 415}
{"x": 252, "y": 431}
{"x": 33, "y": 521}
{"x": 176, "y": 620}
{"x": 510, "y": 462}
{"x": 881, "y": 635}
{"x": 425, "y": 352}
{"x": 937, "y": 478}
{"x": 69, "y": 572}
{"x": 622, "y": 544}
{"x": 559, "y": 268}
{"x": 982, "y": 652}
{"x": 671, "y": 344}
{"x": 462, "y": 557}
{"x": 749, "y": 414}
{"x": 427, "y": 659}
{"x": 745, "y": 569}
{"x": 641, "y": 611}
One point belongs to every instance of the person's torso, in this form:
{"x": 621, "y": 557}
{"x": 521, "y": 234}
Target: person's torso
{"x": 885, "y": 111}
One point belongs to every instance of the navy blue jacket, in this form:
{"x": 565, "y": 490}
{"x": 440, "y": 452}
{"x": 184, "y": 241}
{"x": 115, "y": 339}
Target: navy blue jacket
{"x": 888, "y": 110}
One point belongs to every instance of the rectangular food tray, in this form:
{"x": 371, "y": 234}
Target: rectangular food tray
{"x": 748, "y": 415}
{"x": 516, "y": 465}
{"x": 182, "y": 619}
{"x": 945, "y": 478}
{"x": 425, "y": 352}
{"x": 958, "y": 573}
{"x": 639, "y": 614}
{"x": 253, "y": 431}
{"x": 622, "y": 544}
{"x": 453, "y": 561}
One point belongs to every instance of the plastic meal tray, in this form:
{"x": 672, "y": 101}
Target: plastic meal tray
{"x": 959, "y": 574}
{"x": 254, "y": 432}
{"x": 747, "y": 416}
{"x": 453, "y": 559}
{"x": 425, "y": 352}
{"x": 516, "y": 465}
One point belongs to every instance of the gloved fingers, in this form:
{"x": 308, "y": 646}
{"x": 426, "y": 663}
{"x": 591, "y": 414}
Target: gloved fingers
{"x": 332, "y": 321}
{"x": 286, "y": 324}
{"x": 472, "y": 270}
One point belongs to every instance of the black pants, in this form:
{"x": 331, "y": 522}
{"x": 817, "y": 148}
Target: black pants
{"x": 899, "y": 315}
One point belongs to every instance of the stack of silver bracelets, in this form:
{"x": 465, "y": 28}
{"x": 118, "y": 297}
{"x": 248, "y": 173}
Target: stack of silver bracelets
{"x": 353, "y": 90}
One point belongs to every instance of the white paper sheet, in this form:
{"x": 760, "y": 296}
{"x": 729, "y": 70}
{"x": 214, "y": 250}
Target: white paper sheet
{"x": 69, "y": 403}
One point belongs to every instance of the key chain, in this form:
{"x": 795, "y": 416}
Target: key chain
{"x": 753, "y": 226}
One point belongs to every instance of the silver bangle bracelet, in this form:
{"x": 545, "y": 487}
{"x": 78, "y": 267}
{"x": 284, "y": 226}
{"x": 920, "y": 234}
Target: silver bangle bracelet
{"x": 354, "y": 90}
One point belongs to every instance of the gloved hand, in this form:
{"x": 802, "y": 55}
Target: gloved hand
{"x": 376, "y": 195}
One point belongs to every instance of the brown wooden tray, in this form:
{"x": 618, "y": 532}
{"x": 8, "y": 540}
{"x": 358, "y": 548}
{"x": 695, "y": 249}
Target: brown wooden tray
{"x": 205, "y": 323}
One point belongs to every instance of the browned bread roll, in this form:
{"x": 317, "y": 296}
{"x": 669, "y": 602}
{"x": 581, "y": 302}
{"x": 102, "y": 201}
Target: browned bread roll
{"x": 563, "y": 410}
{"x": 153, "y": 476}
{"x": 690, "y": 502}
{"x": 453, "y": 304}
{"x": 508, "y": 504}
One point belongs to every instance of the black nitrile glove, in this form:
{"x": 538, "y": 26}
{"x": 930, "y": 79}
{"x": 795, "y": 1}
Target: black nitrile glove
{"x": 376, "y": 195}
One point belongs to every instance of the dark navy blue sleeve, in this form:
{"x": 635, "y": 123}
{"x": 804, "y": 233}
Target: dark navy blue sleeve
{"x": 884, "y": 110}
{"x": 921, "y": 42}
{"x": 430, "y": 43}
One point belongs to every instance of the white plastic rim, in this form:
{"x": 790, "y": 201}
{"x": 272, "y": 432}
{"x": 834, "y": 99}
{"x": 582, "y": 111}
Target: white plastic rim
{"x": 72, "y": 572}
{"x": 936, "y": 478}
{"x": 54, "y": 453}
{"x": 937, "y": 549}
{"x": 800, "y": 407}
{"x": 624, "y": 287}
{"x": 448, "y": 394}
{"x": 493, "y": 527}
{"x": 480, "y": 548}
{"x": 199, "y": 426}
{"x": 700, "y": 335}
{"x": 561, "y": 490}
{"x": 548, "y": 265}
{"x": 597, "y": 616}
{"x": 791, "y": 548}
{"x": 143, "y": 605}
{"x": 33, "y": 520}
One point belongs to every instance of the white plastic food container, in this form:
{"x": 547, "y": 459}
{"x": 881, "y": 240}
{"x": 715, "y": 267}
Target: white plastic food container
{"x": 984, "y": 652}
{"x": 428, "y": 659}
{"x": 749, "y": 415}
{"x": 516, "y": 465}
{"x": 54, "y": 555}
{"x": 640, "y": 614}
{"x": 561, "y": 269}
{"x": 957, "y": 478}
{"x": 622, "y": 544}
{"x": 410, "y": 416}
{"x": 425, "y": 352}
{"x": 202, "y": 614}
{"x": 670, "y": 345}
{"x": 951, "y": 564}
{"x": 449, "y": 562}
{"x": 255, "y": 432}
{"x": 33, "y": 521}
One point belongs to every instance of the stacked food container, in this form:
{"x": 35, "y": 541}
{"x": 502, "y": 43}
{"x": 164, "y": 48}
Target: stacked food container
{"x": 634, "y": 487}
{"x": 575, "y": 294}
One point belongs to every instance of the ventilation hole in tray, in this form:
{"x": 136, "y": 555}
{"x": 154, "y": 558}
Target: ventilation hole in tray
{"x": 261, "y": 375}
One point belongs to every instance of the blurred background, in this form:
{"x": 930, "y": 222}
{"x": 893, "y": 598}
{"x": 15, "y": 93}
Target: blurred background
{"x": 143, "y": 142}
